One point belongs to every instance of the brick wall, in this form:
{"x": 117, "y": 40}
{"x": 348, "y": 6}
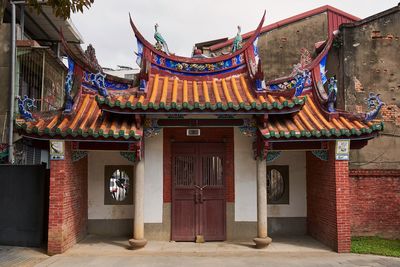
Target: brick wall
{"x": 375, "y": 202}
{"x": 68, "y": 210}
{"x": 328, "y": 212}
{"x": 223, "y": 134}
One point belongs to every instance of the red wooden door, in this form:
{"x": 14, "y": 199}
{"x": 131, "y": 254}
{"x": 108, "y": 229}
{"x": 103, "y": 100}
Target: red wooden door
{"x": 198, "y": 198}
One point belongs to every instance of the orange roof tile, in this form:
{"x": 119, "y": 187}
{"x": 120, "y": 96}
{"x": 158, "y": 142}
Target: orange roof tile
{"x": 86, "y": 122}
{"x": 309, "y": 122}
{"x": 176, "y": 94}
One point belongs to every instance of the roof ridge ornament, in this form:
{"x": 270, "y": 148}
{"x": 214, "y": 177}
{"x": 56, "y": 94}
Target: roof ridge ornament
{"x": 25, "y": 106}
{"x": 237, "y": 42}
{"x": 90, "y": 55}
{"x": 375, "y": 104}
{"x": 161, "y": 44}
{"x": 332, "y": 93}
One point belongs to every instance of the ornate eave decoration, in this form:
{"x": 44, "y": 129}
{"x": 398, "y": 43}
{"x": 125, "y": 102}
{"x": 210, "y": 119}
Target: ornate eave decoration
{"x": 249, "y": 128}
{"x": 151, "y": 128}
{"x": 131, "y": 156}
{"x": 78, "y": 155}
{"x": 321, "y": 154}
{"x": 273, "y": 155}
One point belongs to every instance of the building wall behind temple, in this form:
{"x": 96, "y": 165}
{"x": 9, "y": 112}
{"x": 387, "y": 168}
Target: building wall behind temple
{"x": 5, "y": 50}
{"x": 375, "y": 202}
{"x": 371, "y": 63}
{"x": 280, "y": 48}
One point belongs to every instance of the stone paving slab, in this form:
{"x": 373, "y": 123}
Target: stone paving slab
{"x": 96, "y": 251}
{"x": 210, "y": 260}
{"x": 21, "y": 256}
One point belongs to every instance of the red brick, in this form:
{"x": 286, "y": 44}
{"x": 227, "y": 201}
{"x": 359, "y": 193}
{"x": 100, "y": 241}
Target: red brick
{"x": 328, "y": 196}
{"x": 67, "y": 202}
{"x": 375, "y": 202}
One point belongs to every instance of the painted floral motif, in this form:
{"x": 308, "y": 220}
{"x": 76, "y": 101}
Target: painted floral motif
{"x": 198, "y": 67}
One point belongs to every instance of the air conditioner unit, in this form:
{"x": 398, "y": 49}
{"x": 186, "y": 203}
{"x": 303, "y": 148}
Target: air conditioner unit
{"x": 193, "y": 132}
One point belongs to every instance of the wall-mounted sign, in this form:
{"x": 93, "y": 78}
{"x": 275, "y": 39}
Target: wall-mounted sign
{"x": 57, "y": 150}
{"x": 342, "y": 150}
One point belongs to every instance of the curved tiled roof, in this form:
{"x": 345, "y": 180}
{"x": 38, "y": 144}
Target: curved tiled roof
{"x": 309, "y": 122}
{"x": 86, "y": 122}
{"x": 170, "y": 94}
{"x": 189, "y": 60}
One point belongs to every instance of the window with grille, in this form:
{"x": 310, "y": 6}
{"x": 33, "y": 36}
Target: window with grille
{"x": 278, "y": 184}
{"x": 118, "y": 189}
{"x": 212, "y": 171}
{"x": 184, "y": 168}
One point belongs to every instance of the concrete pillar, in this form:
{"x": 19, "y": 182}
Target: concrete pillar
{"x": 138, "y": 240}
{"x": 262, "y": 240}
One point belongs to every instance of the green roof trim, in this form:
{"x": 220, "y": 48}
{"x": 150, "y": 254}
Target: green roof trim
{"x": 295, "y": 101}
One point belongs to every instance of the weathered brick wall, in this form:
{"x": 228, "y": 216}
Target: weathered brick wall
{"x": 281, "y": 48}
{"x": 375, "y": 203}
{"x": 68, "y": 205}
{"x": 370, "y": 64}
{"x": 328, "y": 212}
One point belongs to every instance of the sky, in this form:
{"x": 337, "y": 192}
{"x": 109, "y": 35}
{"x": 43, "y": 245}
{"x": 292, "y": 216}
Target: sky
{"x": 183, "y": 23}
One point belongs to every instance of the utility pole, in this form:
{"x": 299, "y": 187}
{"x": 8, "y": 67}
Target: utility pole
{"x": 12, "y": 85}
{"x": 12, "y": 78}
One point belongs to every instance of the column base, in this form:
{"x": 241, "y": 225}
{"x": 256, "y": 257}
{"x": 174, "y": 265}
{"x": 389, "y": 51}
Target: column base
{"x": 262, "y": 242}
{"x": 137, "y": 243}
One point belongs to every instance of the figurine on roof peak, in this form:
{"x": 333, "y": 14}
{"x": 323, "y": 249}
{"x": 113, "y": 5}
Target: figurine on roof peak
{"x": 161, "y": 44}
{"x": 237, "y": 42}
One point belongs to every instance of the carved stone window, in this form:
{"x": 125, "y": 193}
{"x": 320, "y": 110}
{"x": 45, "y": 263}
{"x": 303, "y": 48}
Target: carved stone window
{"x": 278, "y": 184}
{"x": 118, "y": 182}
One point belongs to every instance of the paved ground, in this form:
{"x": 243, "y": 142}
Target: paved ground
{"x": 19, "y": 256}
{"x": 302, "y": 251}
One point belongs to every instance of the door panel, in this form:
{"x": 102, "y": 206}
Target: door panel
{"x": 184, "y": 220}
{"x": 213, "y": 220}
{"x": 198, "y": 191}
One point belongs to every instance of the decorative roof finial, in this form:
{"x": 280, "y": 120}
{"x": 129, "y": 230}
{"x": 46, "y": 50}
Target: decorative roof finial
{"x": 90, "y": 54}
{"x": 161, "y": 44}
{"x": 375, "y": 104}
{"x": 237, "y": 42}
{"x": 25, "y": 106}
{"x": 332, "y": 92}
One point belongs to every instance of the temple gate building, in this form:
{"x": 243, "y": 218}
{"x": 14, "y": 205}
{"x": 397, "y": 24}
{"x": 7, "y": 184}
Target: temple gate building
{"x": 200, "y": 149}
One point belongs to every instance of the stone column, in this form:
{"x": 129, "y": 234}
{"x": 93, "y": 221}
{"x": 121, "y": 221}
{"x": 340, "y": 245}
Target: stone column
{"x": 262, "y": 240}
{"x": 138, "y": 240}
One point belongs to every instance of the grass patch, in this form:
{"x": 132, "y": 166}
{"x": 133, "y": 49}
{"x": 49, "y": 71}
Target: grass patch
{"x": 375, "y": 245}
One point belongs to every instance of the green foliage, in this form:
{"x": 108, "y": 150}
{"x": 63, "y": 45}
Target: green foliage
{"x": 62, "y": 8}
{"x": 375, "y": 245}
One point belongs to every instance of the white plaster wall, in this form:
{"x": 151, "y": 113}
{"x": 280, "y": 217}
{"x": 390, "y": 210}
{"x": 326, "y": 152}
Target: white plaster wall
{"x": 153, "y": 179}
{"x": 297, "y": 206}
{"x": 246, "y": 186}
{"x": 245, "y": 178}
{"x": 97, "y": 209}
